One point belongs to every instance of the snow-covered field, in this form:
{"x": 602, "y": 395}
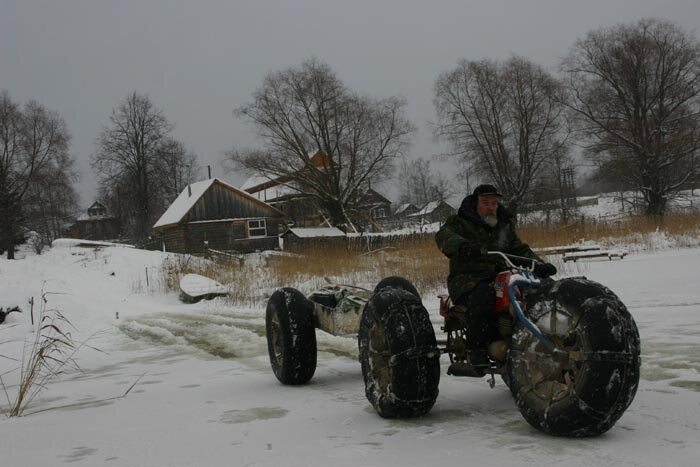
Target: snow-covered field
{"x": 205, "y": 394}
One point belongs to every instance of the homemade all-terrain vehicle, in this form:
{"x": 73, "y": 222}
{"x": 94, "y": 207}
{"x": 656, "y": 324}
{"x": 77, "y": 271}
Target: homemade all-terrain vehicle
{"x": 567, "y": 349}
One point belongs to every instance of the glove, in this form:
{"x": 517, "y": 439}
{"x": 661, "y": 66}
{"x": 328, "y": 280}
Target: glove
{"x": 471, "y": 251}
{"x": 544, "y": 269}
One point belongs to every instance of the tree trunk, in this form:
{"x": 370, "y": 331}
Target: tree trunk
{"x": 10, "y": 245}
{"x": 656, "y": 205}
{"x": 336, "y": 214}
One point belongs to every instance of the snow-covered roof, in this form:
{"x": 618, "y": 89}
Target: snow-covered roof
{"x": 316, "y": 158}
{"x": 76, "y": 242}
{"x": 427, "y": 209}
{"x": 274, "y": 192}
{"x": 184, "y": 202}
{"x": 254, "y": 181}
{"x": 402, "y": 208}
{"x": 87, "y": 217}
{"x": 307, "y": 232}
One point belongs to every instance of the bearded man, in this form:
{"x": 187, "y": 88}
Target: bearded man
{"x": 482, "y": 224}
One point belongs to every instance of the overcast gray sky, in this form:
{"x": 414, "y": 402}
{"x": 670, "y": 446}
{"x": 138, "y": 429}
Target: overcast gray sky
{"x": 198, "y": 60}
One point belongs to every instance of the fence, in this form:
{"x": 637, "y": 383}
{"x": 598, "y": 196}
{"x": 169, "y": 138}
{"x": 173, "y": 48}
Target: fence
{"x": 366, "y": 242}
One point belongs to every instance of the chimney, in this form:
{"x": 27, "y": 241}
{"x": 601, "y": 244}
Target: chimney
{"x": 209, "y": 170}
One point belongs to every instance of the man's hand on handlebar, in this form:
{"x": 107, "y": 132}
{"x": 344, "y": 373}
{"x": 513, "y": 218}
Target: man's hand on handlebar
{"x": 471, "y": 251}
{"x": 544, "y": 269}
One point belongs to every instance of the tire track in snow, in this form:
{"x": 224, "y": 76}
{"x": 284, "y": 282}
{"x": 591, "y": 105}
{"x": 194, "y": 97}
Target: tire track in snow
{"x": 228, "y": 335}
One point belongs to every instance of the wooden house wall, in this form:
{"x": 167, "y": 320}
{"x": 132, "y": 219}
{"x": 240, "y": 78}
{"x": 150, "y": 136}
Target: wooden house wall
{"x": 220, "y": 203}
{"x": 98, "y": 229}
{"x": 224, "y": 236}
{"x": 300, "y": 211}
{"x": 174, "y": 238}
{"x": 441, "y": 213}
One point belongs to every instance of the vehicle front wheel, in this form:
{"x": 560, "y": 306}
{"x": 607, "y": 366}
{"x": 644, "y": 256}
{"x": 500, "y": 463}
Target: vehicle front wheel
{"x": 587, "y": 387}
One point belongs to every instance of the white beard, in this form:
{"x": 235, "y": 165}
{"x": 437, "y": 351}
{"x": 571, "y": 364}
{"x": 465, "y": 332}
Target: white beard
{"x": 491, "y": 220}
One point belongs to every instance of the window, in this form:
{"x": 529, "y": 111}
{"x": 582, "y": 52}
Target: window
{"x": 256, "y": 228}
{"x": 380, "y": 213}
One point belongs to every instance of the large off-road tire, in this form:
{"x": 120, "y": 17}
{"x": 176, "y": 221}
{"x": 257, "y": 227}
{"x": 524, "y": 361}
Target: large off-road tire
{"x": 586, "y": 393}
{"x": 398, "y": 354}
{"x": 397, "y": 282}
{"x": 291, "y": 336}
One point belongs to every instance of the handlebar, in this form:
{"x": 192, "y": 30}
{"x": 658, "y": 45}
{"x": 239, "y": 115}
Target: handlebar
{"x": 510, "y": 264}
{"x": 526, "y": 279}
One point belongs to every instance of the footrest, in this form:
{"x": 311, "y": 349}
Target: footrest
{"x": 465, "y": 369}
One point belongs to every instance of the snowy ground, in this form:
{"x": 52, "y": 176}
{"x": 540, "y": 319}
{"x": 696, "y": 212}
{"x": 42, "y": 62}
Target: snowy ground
{"x": 206, "y": 394}
{"x": 612, "y": 206}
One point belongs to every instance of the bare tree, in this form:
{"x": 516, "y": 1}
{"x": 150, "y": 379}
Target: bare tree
{"x": 634, "y": 91}
{"x": 52, "y": 202}
{"x": 176, "y": 167}
{"x": 129, "y": 158}
{"x": 34, "y": 145}
{"x": 304, "y": 110}
{"x": 419, "y": 183}
{"x": 503, "y": 118}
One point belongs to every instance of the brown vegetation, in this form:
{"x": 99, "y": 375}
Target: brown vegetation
{"x": 253, "y": 278}
{"x": 630, "y": 229}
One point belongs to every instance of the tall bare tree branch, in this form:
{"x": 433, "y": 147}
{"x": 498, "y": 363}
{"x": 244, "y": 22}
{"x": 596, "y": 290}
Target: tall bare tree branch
{"x": 304, "y": 110}
{"x": 503, "y": 119}
{"x": 634, "y": 93}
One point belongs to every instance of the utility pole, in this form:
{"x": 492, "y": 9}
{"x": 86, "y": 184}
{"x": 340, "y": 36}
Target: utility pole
{"x": 568, "y": 192}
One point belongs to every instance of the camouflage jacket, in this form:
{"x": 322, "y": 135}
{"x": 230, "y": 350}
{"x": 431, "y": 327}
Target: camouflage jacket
{"x": 466, "y": 227}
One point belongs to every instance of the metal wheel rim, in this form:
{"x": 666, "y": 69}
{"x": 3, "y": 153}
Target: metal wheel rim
{"x": 553, "y": 380}
{"x": 276, "y": 339}
{"x": 379, "y": 356}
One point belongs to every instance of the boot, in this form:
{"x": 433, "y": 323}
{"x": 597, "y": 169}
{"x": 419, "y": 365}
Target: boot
{"x": 465, "y": 369}
{"x": 498, "y": 350}
{"x": 476, "y": 365}
{"x": 479, "y": 358}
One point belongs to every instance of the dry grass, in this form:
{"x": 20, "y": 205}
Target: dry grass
{"x": 252, "y": 278}
{"x": 630, "y": 230}
{"x": 419, "y": 261}
{"x": 47, "y": 357}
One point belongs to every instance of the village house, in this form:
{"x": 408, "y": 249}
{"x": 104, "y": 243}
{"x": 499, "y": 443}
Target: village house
{"x": 434, "y": 211}
{"x": 301, "y": 210}
{"x": 297, "y": 238}
{"x": 95, "y": 224}
{"x": 405, "y": 210}
{"x": 375, "y": 205}
{"x": 214, "y": 214}
{"x": 285, "y": 195}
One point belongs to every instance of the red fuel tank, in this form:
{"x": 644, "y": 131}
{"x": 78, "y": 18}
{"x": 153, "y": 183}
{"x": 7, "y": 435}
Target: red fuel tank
{"x": 500, "y": 285}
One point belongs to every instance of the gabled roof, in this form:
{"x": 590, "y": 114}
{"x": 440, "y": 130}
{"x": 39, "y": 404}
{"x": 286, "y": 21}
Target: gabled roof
{"x": 257, "y": 182}
{"x": 430, "y": 207}
{"x": 254, "y": 181}
{"x": 275, "y": 192}
{"x": 375, "y": 196}
{"x": 184, "y": 202}
{"x": 404, "y": 207}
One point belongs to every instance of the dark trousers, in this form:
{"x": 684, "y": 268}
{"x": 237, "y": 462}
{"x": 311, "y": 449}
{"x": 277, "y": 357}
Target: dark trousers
{"x": 481, "y": 320}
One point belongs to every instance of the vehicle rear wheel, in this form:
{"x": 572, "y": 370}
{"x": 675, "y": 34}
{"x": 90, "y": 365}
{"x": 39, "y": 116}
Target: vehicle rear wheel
{"x": 291, "y": 336}
{"x": 586, "y": 390}
{"x": 398, "y": 354}
{"x": 399, "y": 283}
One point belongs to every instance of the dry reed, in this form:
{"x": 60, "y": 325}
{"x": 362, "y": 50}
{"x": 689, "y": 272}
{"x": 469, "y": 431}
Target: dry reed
{"x": 48, "y": 356}
{"x": 252, "y": 278}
